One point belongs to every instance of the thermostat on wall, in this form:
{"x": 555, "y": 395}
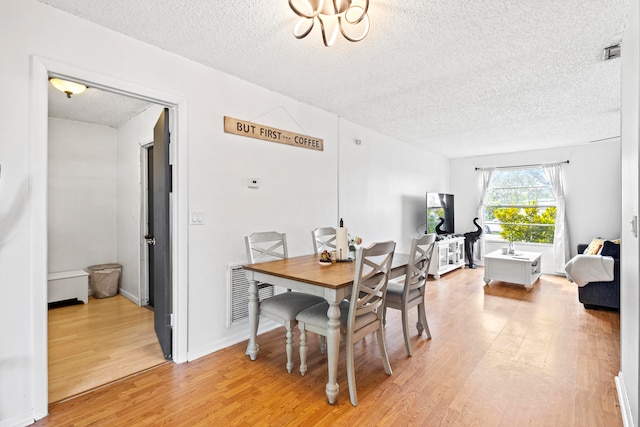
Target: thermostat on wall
{"x": 253, "y": 182}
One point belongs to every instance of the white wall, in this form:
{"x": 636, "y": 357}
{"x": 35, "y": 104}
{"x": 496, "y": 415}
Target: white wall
{"x": 82, "y": 195}
{"x": 131, "y": 136}
{"x": 591, "y": 183}
{"x": 628, "y": 380}
{"x": 383, "y": 185}
{"x": 299, "y": 187}
{"x": 94, "y": 199}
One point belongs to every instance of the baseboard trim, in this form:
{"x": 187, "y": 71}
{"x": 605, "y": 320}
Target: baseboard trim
{"x": 18, "y": 421}
{"x": 265, "y": 326}
{"x": 623, "y": 399}
{"x": 128, "y": 295}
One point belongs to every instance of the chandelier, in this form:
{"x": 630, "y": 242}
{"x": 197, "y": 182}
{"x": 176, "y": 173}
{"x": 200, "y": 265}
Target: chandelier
{"x": 346, "y": 16}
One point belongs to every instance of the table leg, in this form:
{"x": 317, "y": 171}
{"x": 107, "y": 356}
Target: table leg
{"x": 252, "y": 348}
{"x": 333, "y": 346}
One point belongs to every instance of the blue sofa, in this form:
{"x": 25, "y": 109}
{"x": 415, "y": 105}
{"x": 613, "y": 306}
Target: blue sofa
{"x": 603, "y": 295}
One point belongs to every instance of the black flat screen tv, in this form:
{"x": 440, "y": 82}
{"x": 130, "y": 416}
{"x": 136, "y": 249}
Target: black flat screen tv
{"x": 440, "y": 205}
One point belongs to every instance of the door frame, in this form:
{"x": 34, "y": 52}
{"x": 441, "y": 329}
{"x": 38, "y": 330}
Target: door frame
{"x": 143, "y": 292}
{"x": 40, "y": 70}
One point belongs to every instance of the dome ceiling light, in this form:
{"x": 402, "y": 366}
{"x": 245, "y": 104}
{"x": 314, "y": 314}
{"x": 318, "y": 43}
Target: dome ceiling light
{"x": 70, "y": 88}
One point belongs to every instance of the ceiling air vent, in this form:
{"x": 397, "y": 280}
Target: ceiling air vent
{"x": 611, "y": 52}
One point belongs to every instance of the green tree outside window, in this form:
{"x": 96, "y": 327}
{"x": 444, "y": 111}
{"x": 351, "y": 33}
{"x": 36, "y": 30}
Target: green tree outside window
{"x": 520, "y": 206}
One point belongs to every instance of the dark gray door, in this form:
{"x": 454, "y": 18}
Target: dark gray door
{"x": 151, "y": 231}
{"x": 161, "y": 258}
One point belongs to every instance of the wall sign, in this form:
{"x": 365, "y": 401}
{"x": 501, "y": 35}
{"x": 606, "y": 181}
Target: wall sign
{"x": 266, "y": 133}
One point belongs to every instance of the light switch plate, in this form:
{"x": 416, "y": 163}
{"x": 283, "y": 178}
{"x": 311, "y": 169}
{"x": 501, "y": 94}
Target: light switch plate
{"x": 197, "y": 217}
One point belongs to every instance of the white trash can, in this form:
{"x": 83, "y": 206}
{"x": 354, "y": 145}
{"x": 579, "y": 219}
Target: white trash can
{"x": 104, "y": 279}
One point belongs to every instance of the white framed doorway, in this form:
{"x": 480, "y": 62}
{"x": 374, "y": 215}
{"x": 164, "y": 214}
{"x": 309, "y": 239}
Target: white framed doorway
{"x": 41, "y": 69}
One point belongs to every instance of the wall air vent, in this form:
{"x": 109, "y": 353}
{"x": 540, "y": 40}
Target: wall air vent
{"x": 238, "y": 294}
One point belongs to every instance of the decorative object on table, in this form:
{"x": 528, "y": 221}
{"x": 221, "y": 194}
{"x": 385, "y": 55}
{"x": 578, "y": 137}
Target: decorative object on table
{"x": 325, "y": 258}
{"x": 342, "y": 243}
{"x": 439, "y": 229}
{"x": 354, "y": 242}
{"x": 469, "y": 239}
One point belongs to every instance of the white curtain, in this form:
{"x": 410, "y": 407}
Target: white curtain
{"x": 561, "y": 244}
{"x": 485, "y": 179}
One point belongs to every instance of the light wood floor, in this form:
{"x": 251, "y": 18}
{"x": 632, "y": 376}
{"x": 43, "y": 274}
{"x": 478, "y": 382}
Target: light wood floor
{"x": 499, "y": 356}
{"x": 96, "y": 343}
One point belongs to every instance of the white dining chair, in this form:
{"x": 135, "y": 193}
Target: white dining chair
{"x": 324, "y": 238}
{"x": 404, "y": 294}
{"x": 281, "y": 308}
{"x": 360, "y": 316}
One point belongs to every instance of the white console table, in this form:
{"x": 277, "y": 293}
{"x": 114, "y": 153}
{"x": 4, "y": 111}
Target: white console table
{"x": 521, "y": 267}
{"x": 448, "y": 254}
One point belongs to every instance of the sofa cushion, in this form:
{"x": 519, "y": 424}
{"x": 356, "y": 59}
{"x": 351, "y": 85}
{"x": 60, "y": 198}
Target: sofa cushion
{"x": 594, "y": 247}
{"x": 610, "y": 248}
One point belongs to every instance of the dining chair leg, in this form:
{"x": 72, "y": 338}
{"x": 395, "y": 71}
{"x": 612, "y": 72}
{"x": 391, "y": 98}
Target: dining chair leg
{"x": 351, "y": 377}
{"x": 422, "y": 320}
{"x": 405, "y": 329}
{"x": 289, "y": 346}
{"x": 303, "y": 350}
{"x": 383, "y": 352}
{"x": 323, "y": 344}
{"x": 384, "y": 316}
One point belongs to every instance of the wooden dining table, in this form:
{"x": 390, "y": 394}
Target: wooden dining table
{"x": 305, "y": 274}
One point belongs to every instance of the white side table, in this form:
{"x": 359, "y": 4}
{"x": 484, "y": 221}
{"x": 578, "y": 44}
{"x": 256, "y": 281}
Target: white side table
{"x": 522, "y": 267}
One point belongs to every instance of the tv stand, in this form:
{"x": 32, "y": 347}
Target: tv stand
{"x": 448, "y": 255}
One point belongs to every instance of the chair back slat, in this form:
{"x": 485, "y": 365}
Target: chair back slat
{"x": 266, "y": 246}
{"x": 421, "y": 253}
{"x": 373, "y": 265}
{"x": 324, "y": 238}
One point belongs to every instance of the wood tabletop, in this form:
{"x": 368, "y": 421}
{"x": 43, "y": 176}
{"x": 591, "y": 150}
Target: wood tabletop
{"x": 307, "y": 269}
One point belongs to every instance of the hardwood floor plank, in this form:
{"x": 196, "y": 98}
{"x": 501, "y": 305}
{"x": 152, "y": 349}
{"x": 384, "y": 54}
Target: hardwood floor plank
{"x": 499, "y": 356}
{"x": 96, "y": 343}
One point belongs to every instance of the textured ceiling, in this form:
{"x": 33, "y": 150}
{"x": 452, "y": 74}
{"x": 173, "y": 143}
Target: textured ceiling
{"x": 457, "y": 77}
{"x": 95, "y": 106}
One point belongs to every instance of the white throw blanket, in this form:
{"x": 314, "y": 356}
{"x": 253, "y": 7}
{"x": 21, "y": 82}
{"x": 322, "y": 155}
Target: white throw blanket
{"x": 583, "y": 269}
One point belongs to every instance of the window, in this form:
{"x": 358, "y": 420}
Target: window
{"x": 520, "y": 206}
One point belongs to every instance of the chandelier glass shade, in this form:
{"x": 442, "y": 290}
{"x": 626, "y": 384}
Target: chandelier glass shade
{"x": 348, "y": 17}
